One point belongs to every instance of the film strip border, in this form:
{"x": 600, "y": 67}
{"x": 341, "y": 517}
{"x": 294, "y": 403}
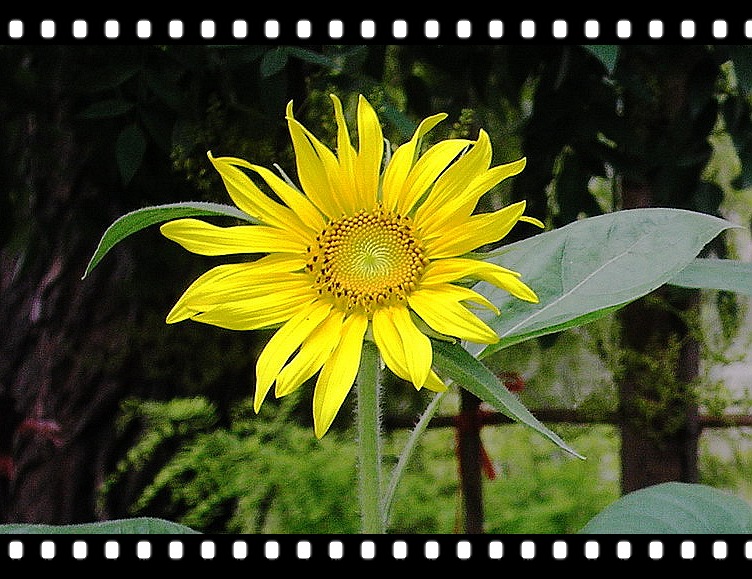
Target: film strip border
{"x": 321, "y": 549}
{"x": 388, "y": 30}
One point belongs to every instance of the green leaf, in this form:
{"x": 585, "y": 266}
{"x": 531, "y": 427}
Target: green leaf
{"x": 137, "y": 220}
{"x": 106, "y": 109}
{"x": 455, "y": 362}
{"x": 130, "y": 147}
{"x": 276, "y": 59}
{"x": 606, "y": 53}
{"x": 716, "y": 274}
{"x": 674, "y": 508}
{"x": 592, "y": 267}
{"x": 273, "y": 61}
{"x": 314, "y": 58}
{"x": 167, "y": 88}
{"x": 112, "y": 76}
{"x": 137, "y": 526}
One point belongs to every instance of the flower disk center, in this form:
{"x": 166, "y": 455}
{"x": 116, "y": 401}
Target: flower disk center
{"x": 368, "y": 259}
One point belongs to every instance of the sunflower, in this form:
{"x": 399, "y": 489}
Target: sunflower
{"x": 365, "y": 249}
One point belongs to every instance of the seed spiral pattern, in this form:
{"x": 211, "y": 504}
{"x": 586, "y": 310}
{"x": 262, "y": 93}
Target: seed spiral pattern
{"x": 368, "y": 259}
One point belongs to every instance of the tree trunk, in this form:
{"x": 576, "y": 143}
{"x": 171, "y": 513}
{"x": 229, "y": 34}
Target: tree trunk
{"x": 68, "y": 348}
{"x": 60, "y": 334}
{"x": 658, "y": 413}
{"x": 469, "y": 425}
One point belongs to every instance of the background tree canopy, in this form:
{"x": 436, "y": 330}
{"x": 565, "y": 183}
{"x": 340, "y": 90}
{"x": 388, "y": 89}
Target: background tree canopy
{"x": 92, "y": 132}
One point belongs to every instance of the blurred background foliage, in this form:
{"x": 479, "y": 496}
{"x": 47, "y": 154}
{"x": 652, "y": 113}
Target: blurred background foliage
{"x": 107, "y": 412}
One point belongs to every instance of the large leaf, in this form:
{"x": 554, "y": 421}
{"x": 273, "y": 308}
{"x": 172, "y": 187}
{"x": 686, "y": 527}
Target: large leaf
{"x": 674, "y": 508}
{"x": 139, "y": 526}
{"x": 716, "y": 274}
{"x": 594, "y": 266}
{"x": 453, "y": 361}
{"x": 137, "y": 220}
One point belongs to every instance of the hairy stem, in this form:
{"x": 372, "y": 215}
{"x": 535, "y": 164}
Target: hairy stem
{"x": 369, "y": 441}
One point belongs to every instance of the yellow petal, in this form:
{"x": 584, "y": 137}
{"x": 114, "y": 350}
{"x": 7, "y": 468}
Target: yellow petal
{"x": 440, "y": 310}
{"x": 476, "y": 231}
{"x": 461, "y": 294}
{"x": 456, "y": 178}
{"x": 308, "y": 217}
{"x": 346, "y": 155}
{"x": 255, "y": 314}
{"x": 338, "y": 374}
{"x": 345, "y": 151}
{"x": 248, "y": 197}
{"x": 425, "y": 172}
{"x": 234, "y": 285}
{"x": 534, "y": 221}
{"x": 454, "y": 269}
{"x": 404, "y": 348}
{"x": 224, "y": 281}
{"x": 402, "y": 161}
{"x": 318, "y": 171}
{"x": 314, "y": 352}
{"x": 389, "y": 342}
{"x": 460, "y": 202}
{"x": 416, "y": 346}
{"x": 392, "y": 352}
{"x": 283, "y": 344}
{"x": 264, "y": 309}
{"x": 245, "y": 289}
{"x": 370, "y": 156}
{"x": 206, "y": 239}
{"x": 487, "y": 180}
{"x": 434, "y": 383}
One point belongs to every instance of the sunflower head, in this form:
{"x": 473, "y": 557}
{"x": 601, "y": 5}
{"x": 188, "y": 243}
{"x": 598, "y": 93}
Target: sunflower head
{"x": 367, "y": 260}
{"x": 357, "y": 246}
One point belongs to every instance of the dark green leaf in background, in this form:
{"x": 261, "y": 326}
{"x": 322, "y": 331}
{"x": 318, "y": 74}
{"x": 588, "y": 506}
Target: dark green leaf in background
{"x": 106, "y": 109}
{"x": 741, "y": 57}
{"x": 130, "y": 147}
{"x": 273, "y": 61}
{"x": 314, "y": 58}
{"x": 606, "y": 53}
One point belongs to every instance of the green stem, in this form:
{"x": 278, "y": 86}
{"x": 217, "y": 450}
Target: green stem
{"x": 369, "y": 441}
